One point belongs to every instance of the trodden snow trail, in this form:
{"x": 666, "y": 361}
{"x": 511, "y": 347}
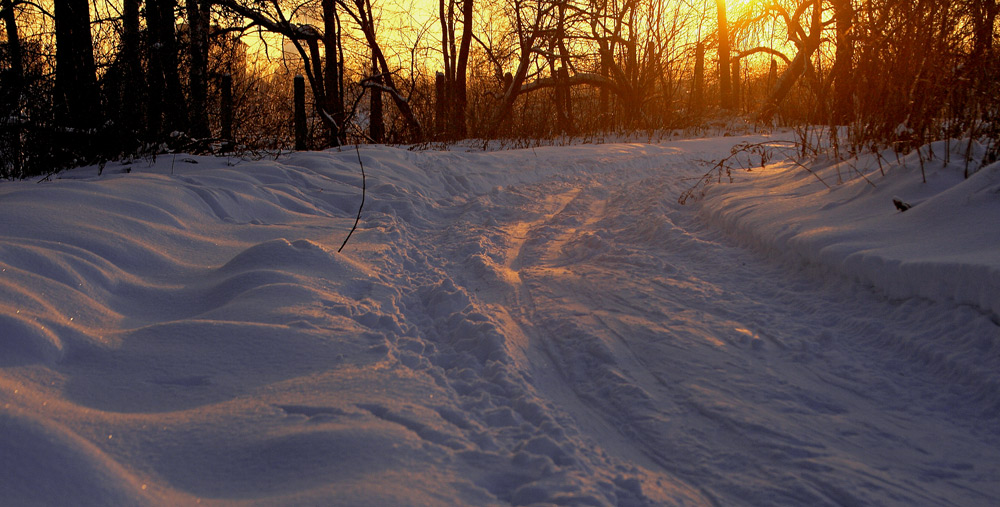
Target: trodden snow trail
{"x": 760, "y": 382}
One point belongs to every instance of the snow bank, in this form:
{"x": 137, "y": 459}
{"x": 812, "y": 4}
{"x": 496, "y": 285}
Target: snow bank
{"x": 945, "y": 248}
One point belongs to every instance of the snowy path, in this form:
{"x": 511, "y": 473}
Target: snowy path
{"x": 535, "y": 326}
{"x": 761, "y": 383}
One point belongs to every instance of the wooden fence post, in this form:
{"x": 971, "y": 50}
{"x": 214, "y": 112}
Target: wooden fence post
{"x": 227, "y": 108}
{"x": 563, "y": 104}
{"x": 300, "y": 113}
{"x": 568, "y": 96}
{"x": 376, "y": 125}
{"x": 440, "y": 106}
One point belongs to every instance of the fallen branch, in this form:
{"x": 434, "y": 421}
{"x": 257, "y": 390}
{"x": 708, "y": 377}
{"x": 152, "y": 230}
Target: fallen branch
{"x": 363, "y": 185}
{"x": 725, "y": 167}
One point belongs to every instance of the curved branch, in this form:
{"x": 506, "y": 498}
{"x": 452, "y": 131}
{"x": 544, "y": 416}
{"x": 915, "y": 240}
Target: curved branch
{"x": 763, "y": 49}
{"x": 576, "y": 79}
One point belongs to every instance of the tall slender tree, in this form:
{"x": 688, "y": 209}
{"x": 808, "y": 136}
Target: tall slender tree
{"x": 167, "y": 107}
{"x": 843, "y": 84}
{"x": 982, "y": 63}
{"x": 77, "y": 95}
{"x": 455, "y": 60}
{"x": 724, "y": 71}
{"x": 198, "y": 16}
{"x": 9, "y": 16}
{"x": 10, "y": 96}
{"x": 461, "y": 71}
{"x": 333, "y": 77}
{"x": 125, "y": 85}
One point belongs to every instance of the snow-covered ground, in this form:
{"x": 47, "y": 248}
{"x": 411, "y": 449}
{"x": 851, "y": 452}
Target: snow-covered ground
{"x": 533, "y": 326}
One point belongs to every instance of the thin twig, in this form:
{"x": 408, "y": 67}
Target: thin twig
{"x": 363, "y": 185}
{"x": 810, "y": 171}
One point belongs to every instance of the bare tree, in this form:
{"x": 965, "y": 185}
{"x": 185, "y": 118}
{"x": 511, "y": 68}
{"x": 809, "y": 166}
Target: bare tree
{"x": 333, "y": 76}
{"x": 528, "y": 33}
{"x": 455, "y": 60}
{"x": 272, "y": 17}
{"x": 806, "y": 43}
{"x": 618, "y": 47}
{"x": 361, "y": 12}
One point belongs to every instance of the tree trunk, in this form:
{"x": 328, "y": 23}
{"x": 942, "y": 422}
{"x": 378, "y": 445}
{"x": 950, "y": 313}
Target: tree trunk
{"x": 444, "y": 81}
{"x": 984, "y": 21}
{"x": 154, "y": 73}
{"x": 167, "y": 99}
{"x": 318, "y": 83}
{"x": 736, "y": 88}
{"x": 13, "y": 45}
{"x": 564, "y": 106}
{"x": 332, "y": 77}
{"x": 198, "y": 14}
{"x": 514, "y": 86}
{"x": 301, "y": 130}
{"x": 16, "y": 85}
{"x": 76, "y": 77}
{"x": 132, "y": 88}
{"x": 564, "y": 102}
{"x": 843, "y": 89}
{"x": 176, "y": 110}
{"x": 455, "y": 60}
{"x": 981, "y": 64}
{"x": 461, "y": 70}
{"x": 724, "y": 72}
{"x": 560, "y": 101}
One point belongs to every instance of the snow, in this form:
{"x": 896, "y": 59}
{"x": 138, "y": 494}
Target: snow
{"x": 533, "y": 326}
{"x": 944, "y": 248}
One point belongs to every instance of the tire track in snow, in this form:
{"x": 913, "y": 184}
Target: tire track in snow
{"x": 598, "y": 370}
{"x": 521, "y": 231}
{"x": 549, "y": 435}
{"x": 748, "y": 410}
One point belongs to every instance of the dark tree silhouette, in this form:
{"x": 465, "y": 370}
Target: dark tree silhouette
{"x": 76, "y": 89}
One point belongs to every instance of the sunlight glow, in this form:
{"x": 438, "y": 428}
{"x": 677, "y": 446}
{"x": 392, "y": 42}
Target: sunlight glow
{"x": 735, "y": 8}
